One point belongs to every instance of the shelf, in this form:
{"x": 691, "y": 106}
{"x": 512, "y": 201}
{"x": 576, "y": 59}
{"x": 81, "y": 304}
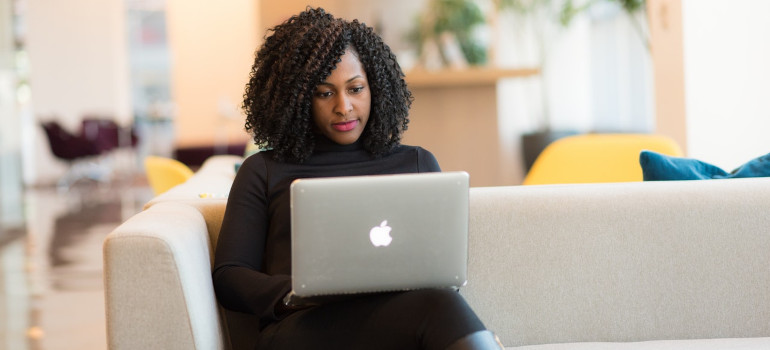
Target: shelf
{"x": 465, "y": 77}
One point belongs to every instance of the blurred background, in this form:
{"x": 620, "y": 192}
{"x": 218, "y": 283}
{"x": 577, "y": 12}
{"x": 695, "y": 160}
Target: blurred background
{"x": 89, "y": 88}
{"x": 170, "y": 74}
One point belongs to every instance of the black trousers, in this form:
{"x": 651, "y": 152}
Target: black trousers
{"x": 422, "y": 319}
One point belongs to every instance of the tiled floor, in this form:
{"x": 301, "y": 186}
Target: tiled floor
{"x": 51, "y": 291}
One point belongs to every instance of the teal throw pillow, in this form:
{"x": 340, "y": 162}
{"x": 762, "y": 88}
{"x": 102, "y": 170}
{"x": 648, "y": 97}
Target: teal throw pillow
{"x": 657, "y": 167}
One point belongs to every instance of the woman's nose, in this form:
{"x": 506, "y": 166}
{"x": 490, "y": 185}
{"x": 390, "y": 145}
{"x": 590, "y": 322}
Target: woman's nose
{"x": 343, "y": 105}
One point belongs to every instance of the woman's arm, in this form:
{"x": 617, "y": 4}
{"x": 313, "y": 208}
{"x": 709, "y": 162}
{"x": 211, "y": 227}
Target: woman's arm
{"x": 238, "y": 282}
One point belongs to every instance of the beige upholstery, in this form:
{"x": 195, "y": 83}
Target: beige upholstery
{"x": 156, "y": 266}
{"x": 621, "y": 262}
{"x": 593, "y": 266}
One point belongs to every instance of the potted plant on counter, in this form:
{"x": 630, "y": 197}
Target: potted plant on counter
{"x": 445, "y": 35}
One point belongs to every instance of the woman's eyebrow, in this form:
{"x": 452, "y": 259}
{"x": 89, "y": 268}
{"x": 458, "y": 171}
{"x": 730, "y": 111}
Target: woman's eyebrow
{"x": 348, "y": 81}
{"x": 354, "y": 78}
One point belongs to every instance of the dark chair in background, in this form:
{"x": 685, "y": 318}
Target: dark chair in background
{"x": 76, "y": 150}
{"x": 107, "y": 134}
{"x": 67, "y": 146}
{"x": 86, "y": 153}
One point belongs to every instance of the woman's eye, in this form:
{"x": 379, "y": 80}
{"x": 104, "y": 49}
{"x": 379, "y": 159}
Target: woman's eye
{"x": 323, "y": 93}
{"x": 357, "y": 89}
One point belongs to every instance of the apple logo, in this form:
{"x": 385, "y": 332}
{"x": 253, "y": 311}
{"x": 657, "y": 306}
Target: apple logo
{"x": 380, "y": 235}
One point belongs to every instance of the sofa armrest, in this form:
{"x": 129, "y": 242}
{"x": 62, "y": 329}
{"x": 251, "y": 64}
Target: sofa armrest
{"x": 157, "y": 276}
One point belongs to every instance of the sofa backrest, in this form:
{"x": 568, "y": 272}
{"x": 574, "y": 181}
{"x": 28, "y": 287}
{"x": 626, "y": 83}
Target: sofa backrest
{"x": 621, "y": 262}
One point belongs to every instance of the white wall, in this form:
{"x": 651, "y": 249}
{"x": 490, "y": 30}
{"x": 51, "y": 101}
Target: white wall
{"x": 78, "y": 60}
{"x": 727, "y": 80}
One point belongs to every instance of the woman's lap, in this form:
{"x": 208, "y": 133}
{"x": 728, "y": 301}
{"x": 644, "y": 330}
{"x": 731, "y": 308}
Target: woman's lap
{"x": 422, "y": 319}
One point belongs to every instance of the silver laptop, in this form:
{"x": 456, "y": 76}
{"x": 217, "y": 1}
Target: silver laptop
{"x": 363, "y": 234}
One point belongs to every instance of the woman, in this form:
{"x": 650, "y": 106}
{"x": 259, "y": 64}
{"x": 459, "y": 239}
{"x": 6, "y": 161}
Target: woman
{"x": 326, "y": 98}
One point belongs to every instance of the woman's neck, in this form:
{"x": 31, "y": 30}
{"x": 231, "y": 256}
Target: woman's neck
{"x": 324, "y": 144}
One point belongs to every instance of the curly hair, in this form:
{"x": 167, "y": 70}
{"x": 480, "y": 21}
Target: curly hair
{"x": 299, "y": 55}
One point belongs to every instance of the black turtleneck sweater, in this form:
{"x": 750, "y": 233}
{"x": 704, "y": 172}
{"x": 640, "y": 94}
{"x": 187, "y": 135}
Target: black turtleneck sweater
{"x": 252, "y": 263}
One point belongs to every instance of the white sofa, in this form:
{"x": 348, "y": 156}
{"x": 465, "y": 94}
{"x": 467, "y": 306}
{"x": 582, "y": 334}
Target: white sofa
{"x": 654, "y": 265}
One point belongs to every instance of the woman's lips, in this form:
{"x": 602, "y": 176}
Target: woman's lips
{"x": 345, "y": 126}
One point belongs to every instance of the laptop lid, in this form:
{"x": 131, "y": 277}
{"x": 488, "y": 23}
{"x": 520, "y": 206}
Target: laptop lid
{"x": 379, "y": 233}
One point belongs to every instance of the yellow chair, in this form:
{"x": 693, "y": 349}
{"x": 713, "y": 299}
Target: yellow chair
{"x": 591, "y": 158}
{"x": 165, "y": 173}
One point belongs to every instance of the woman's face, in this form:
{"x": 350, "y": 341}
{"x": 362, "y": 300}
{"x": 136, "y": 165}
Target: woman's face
{"x": 341, "y": 103}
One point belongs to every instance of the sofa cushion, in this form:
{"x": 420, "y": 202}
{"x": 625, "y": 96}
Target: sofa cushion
{"x": 657, "y": 166}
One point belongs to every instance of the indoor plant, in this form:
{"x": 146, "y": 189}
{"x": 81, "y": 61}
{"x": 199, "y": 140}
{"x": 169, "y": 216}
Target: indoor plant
{"x": 449, "y": 26}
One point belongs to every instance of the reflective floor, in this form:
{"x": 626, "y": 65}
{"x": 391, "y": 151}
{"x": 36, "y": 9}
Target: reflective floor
{"x": 51, "y": 291}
